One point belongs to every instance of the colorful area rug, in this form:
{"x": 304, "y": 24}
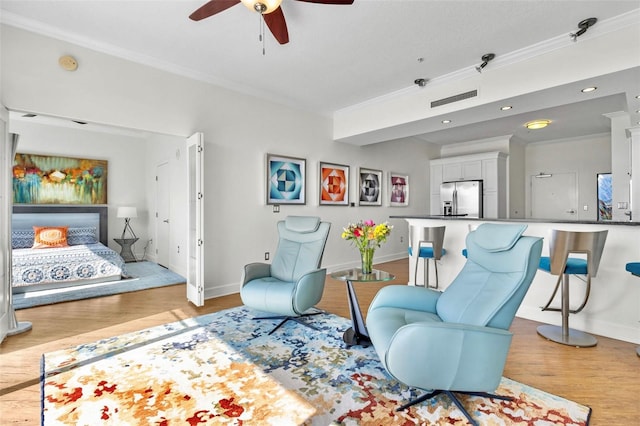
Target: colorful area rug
{"x": 223, "y": 368}
{"x": 141, "y": 276}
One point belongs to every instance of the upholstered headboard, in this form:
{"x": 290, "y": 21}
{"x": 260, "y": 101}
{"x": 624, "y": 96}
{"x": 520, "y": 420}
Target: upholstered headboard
{"x": 28, "y": 216}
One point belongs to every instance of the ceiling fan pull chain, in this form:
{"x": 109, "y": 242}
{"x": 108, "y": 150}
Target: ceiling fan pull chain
{"x": 261, "y": 35}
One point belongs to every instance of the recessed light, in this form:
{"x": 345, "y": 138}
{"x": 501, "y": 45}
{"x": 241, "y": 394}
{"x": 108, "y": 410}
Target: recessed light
{"x": 506, "y": 108}
{"x": 537, "y": 124}
{"x": 589, "y": 89}
{"x": 446, "y": 121}
{"x": 638, "y": 97}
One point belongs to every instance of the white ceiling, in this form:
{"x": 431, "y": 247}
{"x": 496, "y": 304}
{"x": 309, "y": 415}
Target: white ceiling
{"x": 338, "y": 56}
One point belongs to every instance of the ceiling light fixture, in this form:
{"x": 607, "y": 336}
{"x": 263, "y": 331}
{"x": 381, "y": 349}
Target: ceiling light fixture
{"x": 485, "y": 60}
{"x": 446, "y": 121}
{"x": 537, "y": 124}
{"x": 584, "y": 26}
{"x": 589, "y": 89}
{"x": 421, "y": 82}
{"x": 262, "y": 7}
{"x": 506, "y": 108}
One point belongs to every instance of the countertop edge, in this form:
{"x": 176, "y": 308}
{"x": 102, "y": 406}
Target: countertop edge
{"x": 580, "y": 222}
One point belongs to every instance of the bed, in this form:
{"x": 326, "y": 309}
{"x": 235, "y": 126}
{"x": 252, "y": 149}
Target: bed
{"x": 72, "y": 249}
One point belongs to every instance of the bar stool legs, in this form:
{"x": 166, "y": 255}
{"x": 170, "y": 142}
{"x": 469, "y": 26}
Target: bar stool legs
{"x": 426, "y": 272}
{"x": 563, "y": 334}
{"x": 561, "y": 245}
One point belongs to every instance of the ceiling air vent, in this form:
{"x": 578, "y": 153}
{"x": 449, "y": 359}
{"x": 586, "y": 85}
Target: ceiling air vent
{"x": 455, "y": 98}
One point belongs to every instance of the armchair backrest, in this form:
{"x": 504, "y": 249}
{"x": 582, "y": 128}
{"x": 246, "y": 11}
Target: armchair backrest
{"x": 500, "y": 267}
{"x": 300, "y": 246}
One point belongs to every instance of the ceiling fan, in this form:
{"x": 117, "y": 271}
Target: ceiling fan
{"x": 269, "y": 9}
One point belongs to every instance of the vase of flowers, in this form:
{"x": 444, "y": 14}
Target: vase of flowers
{"x": 367, "y": 236}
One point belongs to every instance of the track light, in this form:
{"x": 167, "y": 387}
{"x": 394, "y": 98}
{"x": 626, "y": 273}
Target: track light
{"x": 485, "y": 60}
{"x": 421, "y": 82}
{"x": 584, "y": 25}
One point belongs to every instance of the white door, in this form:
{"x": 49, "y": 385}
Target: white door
{"x": 163, "y": 206}
{"x": 554, "y": 196}
{"x": 195, "y": 243}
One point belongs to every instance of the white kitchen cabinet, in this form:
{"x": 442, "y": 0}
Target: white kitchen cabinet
{"x": 491, "y": 167}
{"x": 465, "y": 170}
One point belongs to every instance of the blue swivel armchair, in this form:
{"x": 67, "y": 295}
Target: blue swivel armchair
{"x": 457, "y": 341}
{"x": 293, "y": 283}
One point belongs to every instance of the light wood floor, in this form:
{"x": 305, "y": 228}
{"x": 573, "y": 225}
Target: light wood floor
{"x": 605, "y": 378}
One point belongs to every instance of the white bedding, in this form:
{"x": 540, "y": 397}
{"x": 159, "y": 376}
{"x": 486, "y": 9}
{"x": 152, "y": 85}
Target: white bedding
{"x": 77, "y": 263}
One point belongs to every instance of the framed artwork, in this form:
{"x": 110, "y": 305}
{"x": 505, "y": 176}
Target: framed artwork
{"x": 398, "y": 189}
{"x": 46, "y": 179}
{"x": 605, "y": 198}
{"x": 369, "y": 187}
{"x": 334, "y": 184}
{"x": 286, "y": 180}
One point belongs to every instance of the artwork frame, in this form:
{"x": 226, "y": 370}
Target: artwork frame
{"x": 286, "y": 180}
{"x": 398, "y": 184}
{"x": 43, "y": 179}
{"x": 369, "y": 187}
{"x": 333, "y": 184}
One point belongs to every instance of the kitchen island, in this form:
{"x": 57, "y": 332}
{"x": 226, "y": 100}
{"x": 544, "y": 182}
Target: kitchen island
{"x": 613, "y": 309}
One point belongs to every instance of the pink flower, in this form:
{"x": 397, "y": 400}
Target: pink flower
{"x": 369, "y": 222}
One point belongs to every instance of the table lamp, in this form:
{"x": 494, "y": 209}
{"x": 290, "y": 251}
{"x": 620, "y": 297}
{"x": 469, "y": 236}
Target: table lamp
{"x": 127, "y": 213}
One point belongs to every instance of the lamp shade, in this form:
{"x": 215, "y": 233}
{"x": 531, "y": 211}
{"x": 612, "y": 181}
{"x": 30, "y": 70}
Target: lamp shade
{"x": 127, "y": 212}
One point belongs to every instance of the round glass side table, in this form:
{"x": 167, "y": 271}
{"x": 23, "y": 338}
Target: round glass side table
{"x": 357, "y": 333}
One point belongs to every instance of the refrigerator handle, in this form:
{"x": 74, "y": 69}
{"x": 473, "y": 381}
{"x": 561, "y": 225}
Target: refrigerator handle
{"x": 455, "y": 201}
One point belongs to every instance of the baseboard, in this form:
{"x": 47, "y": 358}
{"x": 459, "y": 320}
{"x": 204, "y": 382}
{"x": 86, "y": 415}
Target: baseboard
{"x": 227, "y": 289}
{"x": 579, "y": 322}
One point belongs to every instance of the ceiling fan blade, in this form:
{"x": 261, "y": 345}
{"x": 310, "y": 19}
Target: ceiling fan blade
{"x": 329, "y": 1}
{"x": 278, "y": 26}
{"x": 211, "y": 8}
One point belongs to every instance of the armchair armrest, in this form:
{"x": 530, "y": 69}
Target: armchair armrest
{"x": 253, "y": 271}
{"x": 406, "y": 297}
{"x": 309, "y": 288}
{"x": 448, "y": 356}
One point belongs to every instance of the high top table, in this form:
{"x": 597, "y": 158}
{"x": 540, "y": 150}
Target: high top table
{"x": 357, "y": 333}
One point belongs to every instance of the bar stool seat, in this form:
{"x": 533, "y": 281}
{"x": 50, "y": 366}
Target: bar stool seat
{"x": 634, "y": 268}
{"x": 559, "y": 263}
{"x": 428, "y": 241}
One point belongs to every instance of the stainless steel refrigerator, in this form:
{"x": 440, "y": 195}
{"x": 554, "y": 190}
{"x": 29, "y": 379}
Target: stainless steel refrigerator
{"x": 461, "y": 198}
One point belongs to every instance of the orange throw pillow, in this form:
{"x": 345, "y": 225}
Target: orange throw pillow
{"x": 50, "y": 236}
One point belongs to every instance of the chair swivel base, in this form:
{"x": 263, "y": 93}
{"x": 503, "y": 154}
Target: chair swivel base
{"x": 286, "y": 318}
{"x": 455, "y": 400}
{"x": 570, "y": 337}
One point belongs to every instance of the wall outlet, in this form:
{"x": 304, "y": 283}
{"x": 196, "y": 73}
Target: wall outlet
{"x": 401, "y": 239}
{"x": 266, "y": 255}
{"x": 276, "y": 208}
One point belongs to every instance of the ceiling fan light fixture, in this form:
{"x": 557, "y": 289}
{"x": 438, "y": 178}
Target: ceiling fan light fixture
{"x": 537, "y": 124}
{"x": 262, "y": 6}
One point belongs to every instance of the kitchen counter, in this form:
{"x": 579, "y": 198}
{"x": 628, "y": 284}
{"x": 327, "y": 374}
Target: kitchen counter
{"x": 613, "y": 309}
{"x": 462, "y": 217}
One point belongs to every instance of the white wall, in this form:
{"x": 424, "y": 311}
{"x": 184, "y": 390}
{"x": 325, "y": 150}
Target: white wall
{"x": 585, "y": 156}
{"x": 239, "y": 131}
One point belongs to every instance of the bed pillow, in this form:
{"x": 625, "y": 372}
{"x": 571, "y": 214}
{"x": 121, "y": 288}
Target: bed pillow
{"x": 77, "y": 236}
{"x": 50, "y": 237}
{"x": 21, "y": 238}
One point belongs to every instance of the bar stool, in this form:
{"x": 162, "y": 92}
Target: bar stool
{"x": 562, "y": 244}
{"x": 428, "y": 242}
{"x": 634, "y": 268}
